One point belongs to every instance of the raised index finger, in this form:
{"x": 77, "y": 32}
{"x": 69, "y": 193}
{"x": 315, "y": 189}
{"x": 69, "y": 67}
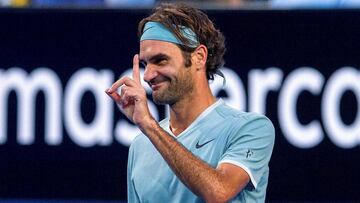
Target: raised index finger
{"x": 136, "y": 69}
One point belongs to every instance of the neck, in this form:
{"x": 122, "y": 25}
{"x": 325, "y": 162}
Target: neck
{"x": 185, "y": 111}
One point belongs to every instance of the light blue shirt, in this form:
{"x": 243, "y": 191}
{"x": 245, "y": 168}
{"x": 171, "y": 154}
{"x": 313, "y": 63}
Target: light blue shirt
{"x": 220, "y": 134}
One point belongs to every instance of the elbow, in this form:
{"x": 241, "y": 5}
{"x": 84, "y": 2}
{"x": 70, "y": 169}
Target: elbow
{"x": 218, "y": 196}
{"x": 216, "y": 200}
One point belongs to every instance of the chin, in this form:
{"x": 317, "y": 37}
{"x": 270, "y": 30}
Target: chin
{"x": 162, "y": 99}
{"x": 159, "y": 100}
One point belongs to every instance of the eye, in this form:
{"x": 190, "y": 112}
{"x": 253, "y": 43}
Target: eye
{"x": 161, "y": 61}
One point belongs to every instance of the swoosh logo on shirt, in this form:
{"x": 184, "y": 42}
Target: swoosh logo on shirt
{"x": 198, "y": 146}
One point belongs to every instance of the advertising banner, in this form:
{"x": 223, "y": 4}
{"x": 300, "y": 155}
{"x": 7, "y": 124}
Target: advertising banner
{"x": 62, "y": 137}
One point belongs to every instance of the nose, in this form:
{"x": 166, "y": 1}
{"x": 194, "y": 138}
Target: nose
{"x": 150, "y": 73}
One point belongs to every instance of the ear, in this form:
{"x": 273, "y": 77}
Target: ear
{"x": 199, "y": 56}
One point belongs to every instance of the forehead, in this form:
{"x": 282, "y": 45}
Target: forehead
{"x": 149, "y": 48}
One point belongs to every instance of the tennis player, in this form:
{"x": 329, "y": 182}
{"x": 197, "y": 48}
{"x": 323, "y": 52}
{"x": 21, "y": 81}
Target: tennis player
{"x": 205, "y": 151}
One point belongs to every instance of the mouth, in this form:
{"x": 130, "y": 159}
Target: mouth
{"x": 156, "y": 84}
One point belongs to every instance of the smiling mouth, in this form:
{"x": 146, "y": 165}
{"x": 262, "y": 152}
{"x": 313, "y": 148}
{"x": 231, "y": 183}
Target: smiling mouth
{"x": 156, "y": 86}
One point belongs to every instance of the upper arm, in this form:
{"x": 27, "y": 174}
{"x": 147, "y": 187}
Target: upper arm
{"x": 236, "y": 178}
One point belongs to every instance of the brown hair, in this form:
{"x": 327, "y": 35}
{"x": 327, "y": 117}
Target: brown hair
{"x": 174, "y": 16}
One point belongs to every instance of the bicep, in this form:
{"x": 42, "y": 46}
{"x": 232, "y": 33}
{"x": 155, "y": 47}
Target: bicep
{"x": 235, "y": 177}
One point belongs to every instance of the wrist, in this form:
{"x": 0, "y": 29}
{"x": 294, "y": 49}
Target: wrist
{"x": 147, "y": 123}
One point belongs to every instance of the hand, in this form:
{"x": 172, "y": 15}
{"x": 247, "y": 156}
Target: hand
{"x": 132, "y": 101}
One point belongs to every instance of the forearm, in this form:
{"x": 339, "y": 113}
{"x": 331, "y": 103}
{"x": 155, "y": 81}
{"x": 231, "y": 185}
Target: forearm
{"x": 197, "y": 175}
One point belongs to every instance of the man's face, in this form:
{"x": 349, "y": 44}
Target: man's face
{"x": 165, "y": 71}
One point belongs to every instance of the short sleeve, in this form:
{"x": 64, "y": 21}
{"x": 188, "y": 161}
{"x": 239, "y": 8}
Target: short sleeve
{"x": 250, "y": 146}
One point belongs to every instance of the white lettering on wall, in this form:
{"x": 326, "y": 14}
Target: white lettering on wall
{"x": 99, "y": 131}
{"x": 66, "y": 110}
{"x": 345, "y": 136}
{"x": 26, "y": 88}
{"x": 302, "y": 79}
{"x": 260, "y": 83}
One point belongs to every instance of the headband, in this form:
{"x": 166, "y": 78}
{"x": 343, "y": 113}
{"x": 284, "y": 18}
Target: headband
{"x": 157, "y": 31}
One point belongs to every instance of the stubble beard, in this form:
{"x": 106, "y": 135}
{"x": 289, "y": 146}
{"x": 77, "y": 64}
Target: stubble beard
{"x": 178, "y": 88}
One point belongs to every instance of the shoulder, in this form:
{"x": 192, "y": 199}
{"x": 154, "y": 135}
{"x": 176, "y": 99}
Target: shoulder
{"x": 239, "y": 117}
{"x": 245, "y": 125}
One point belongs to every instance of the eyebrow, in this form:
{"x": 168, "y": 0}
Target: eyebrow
{"x": 155, "y": 58}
